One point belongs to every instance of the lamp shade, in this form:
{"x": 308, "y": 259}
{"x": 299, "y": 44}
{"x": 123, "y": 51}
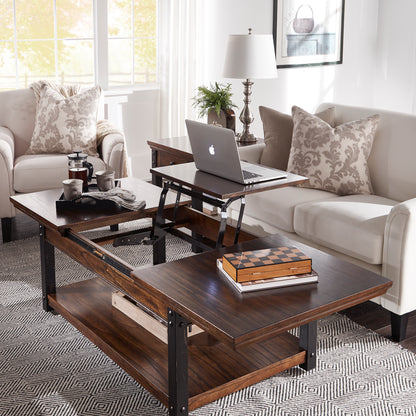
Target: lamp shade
{"x": 250, "y": 57}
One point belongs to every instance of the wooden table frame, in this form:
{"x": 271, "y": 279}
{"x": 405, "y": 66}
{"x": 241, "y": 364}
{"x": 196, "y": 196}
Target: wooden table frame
{"x": 118, "y": 275}
{"x": 251, "y": 353}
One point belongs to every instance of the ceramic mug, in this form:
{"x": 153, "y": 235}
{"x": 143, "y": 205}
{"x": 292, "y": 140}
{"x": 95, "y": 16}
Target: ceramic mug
{"x": 105, "y": 180}
{"x": 72, "y": 188}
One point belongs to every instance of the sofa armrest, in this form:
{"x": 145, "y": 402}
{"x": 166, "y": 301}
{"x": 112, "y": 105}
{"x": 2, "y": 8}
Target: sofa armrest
{"x": 251, "y": 153}
{"x": 6, "y": 171}
{"x": 399, "y": 263}
{"x": 112, "y": 151}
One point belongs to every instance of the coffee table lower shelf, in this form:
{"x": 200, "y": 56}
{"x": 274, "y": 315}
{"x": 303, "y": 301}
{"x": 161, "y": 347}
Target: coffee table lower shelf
{"x": 213, "y": 370}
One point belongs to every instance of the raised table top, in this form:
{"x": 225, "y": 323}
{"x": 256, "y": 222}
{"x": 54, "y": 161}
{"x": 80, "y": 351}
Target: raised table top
{"x": 188, "y": 175}
{"x": 194, "y": 288}
{"x": 41, "y": 206}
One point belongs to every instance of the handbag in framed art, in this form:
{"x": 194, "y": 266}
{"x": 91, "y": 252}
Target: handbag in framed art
{"x": 308, "y": 32}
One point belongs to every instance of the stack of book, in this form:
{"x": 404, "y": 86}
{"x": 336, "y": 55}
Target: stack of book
{"x": 266, "y": 269}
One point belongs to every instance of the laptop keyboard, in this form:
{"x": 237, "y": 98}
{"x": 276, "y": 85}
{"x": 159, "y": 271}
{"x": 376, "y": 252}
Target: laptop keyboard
{"x": 249, "y": 175}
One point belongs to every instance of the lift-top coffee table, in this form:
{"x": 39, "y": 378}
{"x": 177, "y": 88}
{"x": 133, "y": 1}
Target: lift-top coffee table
{"x": 244, "y": 338}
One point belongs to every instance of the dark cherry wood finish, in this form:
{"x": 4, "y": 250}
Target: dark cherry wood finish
{"x": 188, "y": 175}
{"x": 41, "y": 207}
{"x": 193, "y": 288}
{"x": 87, "y": 305}
{"x": 245, "y": 339}
{"x": 367, "y": 314}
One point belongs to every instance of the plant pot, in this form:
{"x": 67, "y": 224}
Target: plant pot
{"x": 226, "y": 118}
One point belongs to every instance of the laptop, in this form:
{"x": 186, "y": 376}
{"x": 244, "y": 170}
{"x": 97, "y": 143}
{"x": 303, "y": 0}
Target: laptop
{"x": 215, "y": 151}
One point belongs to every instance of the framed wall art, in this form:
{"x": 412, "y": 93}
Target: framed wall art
{"x": 308, "y": 32}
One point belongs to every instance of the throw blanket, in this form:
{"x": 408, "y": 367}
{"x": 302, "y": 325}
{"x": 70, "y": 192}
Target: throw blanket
{"x": 122, "y": 197}
{"x": 104, "y": 127}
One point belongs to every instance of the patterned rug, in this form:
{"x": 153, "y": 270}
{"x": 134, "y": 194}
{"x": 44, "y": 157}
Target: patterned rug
{"x": 48, "y": 368}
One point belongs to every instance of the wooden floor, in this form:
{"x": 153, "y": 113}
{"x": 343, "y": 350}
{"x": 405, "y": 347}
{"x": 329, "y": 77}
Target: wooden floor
{"x": 368, "y": 314}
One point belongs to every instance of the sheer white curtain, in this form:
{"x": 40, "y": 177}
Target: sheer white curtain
{"x": 180, "y": 62}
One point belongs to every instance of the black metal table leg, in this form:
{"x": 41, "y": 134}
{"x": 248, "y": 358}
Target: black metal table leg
{"x": 161, "y": 207}
{"x": 240, "y": 219}
{"x": 159, "y": 244}
{"x": 47, "y": 258}
{"x": 177, "y": 364}
{"x": 196, "y": 203}
{"x": 223, "y": 221}
{"x": 307, "y": 341}
{"x": 158, "y": 235}
{"x": 177, "y": 202}
{"x": 156, "y": 179}
{"x": 223, "y": 225}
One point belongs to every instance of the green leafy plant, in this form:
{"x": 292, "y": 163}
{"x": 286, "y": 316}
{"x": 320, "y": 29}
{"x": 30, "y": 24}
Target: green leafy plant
{"x": 217, "y": 97}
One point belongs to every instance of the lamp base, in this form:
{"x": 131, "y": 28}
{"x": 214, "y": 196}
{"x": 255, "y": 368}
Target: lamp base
{"x": 245, "y": 138}
{"x": 246, "y": 117}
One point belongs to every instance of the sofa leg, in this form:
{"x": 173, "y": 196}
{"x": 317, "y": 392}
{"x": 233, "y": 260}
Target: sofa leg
{"x": 6, "y": 229}
{"x": 398, "y": 326}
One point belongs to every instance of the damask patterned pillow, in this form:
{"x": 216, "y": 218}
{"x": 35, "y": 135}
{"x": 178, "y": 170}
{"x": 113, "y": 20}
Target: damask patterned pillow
{"x": 278, "y": 130}
{"x": 66, "y": 124}
{"x": 334, "y": 159}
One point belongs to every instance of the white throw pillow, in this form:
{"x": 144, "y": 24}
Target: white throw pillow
{"x": 334, "y": 159}
{"x": 64, "y": 125}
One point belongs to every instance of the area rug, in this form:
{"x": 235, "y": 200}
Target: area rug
{"x": 48, "y": 368}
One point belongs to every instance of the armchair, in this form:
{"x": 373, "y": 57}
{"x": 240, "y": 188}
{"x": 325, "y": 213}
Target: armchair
{"x": 21, "y": 173}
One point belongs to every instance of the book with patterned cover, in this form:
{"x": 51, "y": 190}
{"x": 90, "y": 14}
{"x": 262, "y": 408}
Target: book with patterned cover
{"x": 267, "y": 263}
{"x": 271, "y": 283}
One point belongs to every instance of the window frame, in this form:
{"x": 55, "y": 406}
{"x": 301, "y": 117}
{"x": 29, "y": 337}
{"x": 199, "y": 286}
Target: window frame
{"x": 100, "y": 45}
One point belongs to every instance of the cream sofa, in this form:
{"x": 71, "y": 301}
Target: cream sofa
{"x": 20, "y": 173}
{"x": 375, "y": 231}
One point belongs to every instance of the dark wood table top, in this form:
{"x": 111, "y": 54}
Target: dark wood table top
{"x": 41, "y": 206}
{"x": 181, "y": 145}
{"x": 194, "y": 288}
{"x": 188, "y": 175}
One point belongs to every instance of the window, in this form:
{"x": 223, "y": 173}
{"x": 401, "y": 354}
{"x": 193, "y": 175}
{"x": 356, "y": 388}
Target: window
{"x": 132, "y": 41}
{"x": 62, "y": 41}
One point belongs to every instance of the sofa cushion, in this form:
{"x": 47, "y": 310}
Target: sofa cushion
{"x": 40, "y": 172}
{"x": 334, "y": 160}
{"x": 278, "y": 129}
{"x": 353, "y": 225}
{"x": 64, "y": 125}
{"x": 276, "y": 207}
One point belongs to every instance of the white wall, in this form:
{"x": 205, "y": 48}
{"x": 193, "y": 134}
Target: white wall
{"x": 349, "y": 83}
{"x": 136, "y": 113}
{"x": 395, "y": 69}
{"x": 379, "y": 67}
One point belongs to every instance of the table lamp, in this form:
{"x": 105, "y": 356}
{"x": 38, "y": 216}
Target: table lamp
{"x": 249, "y": 56}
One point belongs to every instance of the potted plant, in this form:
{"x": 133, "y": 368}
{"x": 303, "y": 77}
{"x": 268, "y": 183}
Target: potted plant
{"x": 215, "y": 101}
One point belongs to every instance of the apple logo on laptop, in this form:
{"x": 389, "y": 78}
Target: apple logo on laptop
{"x": 211, "y": 150}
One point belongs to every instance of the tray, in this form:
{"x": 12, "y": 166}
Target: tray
{"x": 87, "y": 203}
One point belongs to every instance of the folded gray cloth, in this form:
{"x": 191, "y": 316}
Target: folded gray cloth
{"x": 122, "y": 197}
